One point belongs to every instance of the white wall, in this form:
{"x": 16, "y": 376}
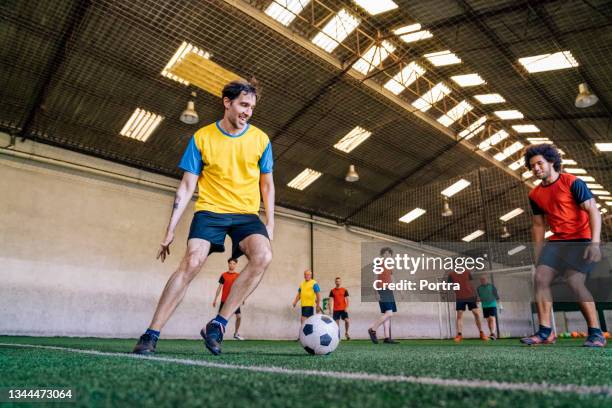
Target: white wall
{"x": 77, "y": 256}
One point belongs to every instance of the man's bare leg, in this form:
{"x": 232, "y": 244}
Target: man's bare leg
{"x": 543, "y": 278}
{"x": 576, "y": 280}
{"x": 459, "y": 323}
{"x": 176, "y": 287}
{"x": 238, "y": 321}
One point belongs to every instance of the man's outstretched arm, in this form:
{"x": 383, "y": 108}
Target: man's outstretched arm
{"x": 266, "y": 184}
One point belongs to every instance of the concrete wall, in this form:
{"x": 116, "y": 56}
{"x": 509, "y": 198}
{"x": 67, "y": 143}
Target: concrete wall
{"x": 77, "y": 256}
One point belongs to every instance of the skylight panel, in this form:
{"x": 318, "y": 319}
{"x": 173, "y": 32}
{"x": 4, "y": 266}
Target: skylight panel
{"x": 412, "y": 215}
{"x": 442, "y": 58}
{"x": 493, "y": 140}
{"x": 601, "y": 192}
{"x": 487, "y": 99}
{"x": 376, "y": 6}
{"x": 404, "y": 78}
{"x": 526, "y": 175}
{"x": 595, "y": 186}
{"x": 473, "y": 236}
{"x": 525, "y": 128}
{"x": 514, "y": 213}
{"x": 604, "y": 147}
{"x": 468, "y": 80}
{"x": 455, "y": 188}
{"x": 473, "y": 129}
{"x": 509, "y": 114}
{"x": 568, "y": 162}
{"x": 516, "y": 250}
{"x": 141, "y": 124}
{"x": 304, "y": 179}
{"x": 432, "y": 96}
{"x": 587, "y": 179}
{"x": 184, "y": 49}
{"x": 416, "y": 36}
{"x": 373, "y": 57}
{"x": 575, "y": 171}
{"x": 549, "y": 62}
{"x": 407, "y": 29}
{"x": 336, "y": 30}
{"x": 509, "y": 151}
{"x": 517, "y": 164}
{"x": 352, "y": 139}
{"x": 455, "y": 113}
{"x": 285, "y": 11}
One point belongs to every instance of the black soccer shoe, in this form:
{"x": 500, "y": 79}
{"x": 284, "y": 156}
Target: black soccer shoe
{"x": 146, "y": 345}
{"x": 389, "y": 340}
{"x": 213, "y": 336}
{"x": 373, "y": 337}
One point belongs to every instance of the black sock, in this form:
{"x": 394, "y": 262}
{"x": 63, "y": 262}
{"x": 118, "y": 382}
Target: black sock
{"x": 544, "y": 331}
{"x": 154, "y": 333}
{"x": 595, "y": 331}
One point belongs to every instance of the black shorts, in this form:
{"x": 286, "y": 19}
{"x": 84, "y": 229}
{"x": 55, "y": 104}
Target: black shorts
{"x": 564, "y": 255}
{"x": 469, "y": 303}
{"x": 340, "y": 314}
{"x": 307, "y": 311}
{"x": 213, "y": 227}
{"x": 221, "y": 305}
{"x": 387, "y": 301}
{"x": 489, "y": 312}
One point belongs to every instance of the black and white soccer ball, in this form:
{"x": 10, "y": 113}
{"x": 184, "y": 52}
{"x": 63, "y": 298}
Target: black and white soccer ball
{"x": 320, "y": 334}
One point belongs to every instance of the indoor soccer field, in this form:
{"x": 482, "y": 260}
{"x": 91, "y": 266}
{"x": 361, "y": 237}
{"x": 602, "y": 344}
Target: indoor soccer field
{"x": 279, "y": 374}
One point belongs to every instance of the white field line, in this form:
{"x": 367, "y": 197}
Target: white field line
{"x": 443, "y": 382}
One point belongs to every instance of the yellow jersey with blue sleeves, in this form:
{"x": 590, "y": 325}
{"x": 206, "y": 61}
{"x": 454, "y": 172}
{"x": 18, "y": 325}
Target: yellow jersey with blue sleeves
{"x": 229, "y": 167}
{"x": 308, "y": 290}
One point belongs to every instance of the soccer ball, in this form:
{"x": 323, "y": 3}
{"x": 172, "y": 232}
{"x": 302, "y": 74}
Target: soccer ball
{"x": 319, "y": 334}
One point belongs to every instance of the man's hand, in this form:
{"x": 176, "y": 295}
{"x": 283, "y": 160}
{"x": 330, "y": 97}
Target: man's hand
{"x": 215, "y": 303}
{"x": 270, "y": 229}
{"x": 319, "y": 310}
{"x": 293, "y": 304}
{"x": 592, "y": 253}
{"x": 164, "y": 248}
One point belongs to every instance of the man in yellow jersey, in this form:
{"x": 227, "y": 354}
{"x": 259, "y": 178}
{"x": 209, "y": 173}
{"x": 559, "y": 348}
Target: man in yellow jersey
{"x": 230, "y": 162}
{"x": 309, "y": 296}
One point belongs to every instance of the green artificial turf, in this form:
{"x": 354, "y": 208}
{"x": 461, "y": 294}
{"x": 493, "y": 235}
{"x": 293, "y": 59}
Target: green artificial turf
{"x": 120, "y": 381}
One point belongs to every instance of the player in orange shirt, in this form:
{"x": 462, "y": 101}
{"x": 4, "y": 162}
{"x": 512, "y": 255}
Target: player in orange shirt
{"x": 465, "y": 298}
{"x": 225, "y": 286}
{"x": 339, "y": 297}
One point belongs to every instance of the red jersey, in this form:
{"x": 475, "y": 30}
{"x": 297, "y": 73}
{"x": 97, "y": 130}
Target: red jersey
{"x": 386, "y": 276}
{"x": 227, "y": 280}
{"x": 560, "y": 203}
{"x": 466, "y": 291}
{"x": 339, "y": 295}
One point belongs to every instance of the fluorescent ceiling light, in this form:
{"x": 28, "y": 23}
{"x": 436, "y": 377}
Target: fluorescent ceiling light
{"x": 442, "y": 58}
{"x": 509, "y": 151}
{"x": 141, "y": 124}
{"x": 184, "y": 49}
{"x": 508, "y": 216}
{"x": 407, "y": 29}
{"x": 473, "y": 236}
{"x": 526, "y": 128}
{"x": 604, "y": 147}
{"x": 527, "y": 174}
{"x": 587, "y": 178}
{"x": 575, "y": 171}
{"x": 304, "y": 179}
{"x": 455, "y": 188}
{"x": 549, "y": 62}
{"x": 606, "y": 197}
{"x": 569, "y": 162}
{"x": 609, "y": 203}
{"x": 490, "y": 98}
{"x": 561, "y": 152}
{"x": 405, "y": 78}
{"x": 432, "y": 96}
{"x": 517, "y": 164}
{"x": 509, "y": 114}
{"x": 285, "y": 11}
{"x": 412, "y": 215}
{"x": 493, "y": 140}
{"x": 373, "y": 57}
{"x": 468, "y": 80}
{"x": 595, "y": 186}
{"x": 455, "y": 113}
{"x": 376, "y": 6}
{"x": 473, "y": 129}
{"x": 352, "y": 139}
{"x": 600, "y": 192}
{"x": 548, "y": 234}
{"x": 417, "y": 36}
{"x": 516, "y": 250}
{"x": 336, "y": 30}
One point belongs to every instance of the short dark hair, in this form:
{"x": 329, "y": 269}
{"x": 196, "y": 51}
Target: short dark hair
{"x": 386, "y": 249}
{"x": 548, "y": 151}
{"x": 235, "y": 88}
{"x": 232, "y": 259}
{"x": 337, "y": 277}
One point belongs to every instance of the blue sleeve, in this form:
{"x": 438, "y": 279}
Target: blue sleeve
{"x": 316, "y": 288}
{"x": 266, "y": 162}
{"x": 535, "y": 209}
{"x": 580, "y": 191}
{"x": 192, "y": 159}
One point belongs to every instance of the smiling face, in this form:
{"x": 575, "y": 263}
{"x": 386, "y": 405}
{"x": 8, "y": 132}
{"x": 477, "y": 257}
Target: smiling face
{"x": 307, "y": 274}
{"x": 338, "y": 282}
{"x": 540, "y": 167}
{"x": 239, "y": 111}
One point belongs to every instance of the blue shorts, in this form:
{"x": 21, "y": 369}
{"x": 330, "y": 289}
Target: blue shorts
{"x": 462, "y": 304}
{"x": 489, "y": 312}
{"x": 564, "y": 255}
{"x": 213, "y": 227}
{"x": 308, "y": 311}
{"x": 387, "y": 301}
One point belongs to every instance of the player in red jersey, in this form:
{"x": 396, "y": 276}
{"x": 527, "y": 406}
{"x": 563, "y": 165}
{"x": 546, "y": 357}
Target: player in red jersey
{"x": 225, "y": 286}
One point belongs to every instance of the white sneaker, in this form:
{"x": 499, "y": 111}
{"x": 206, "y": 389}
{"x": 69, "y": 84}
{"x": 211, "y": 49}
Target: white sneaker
{"x": 238, "y": 337}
